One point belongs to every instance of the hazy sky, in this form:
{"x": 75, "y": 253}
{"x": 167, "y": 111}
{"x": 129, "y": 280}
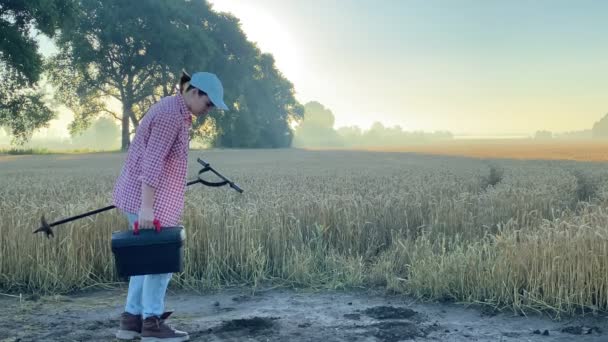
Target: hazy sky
{"x": 483, "y": 67}
{"x": 473, "y": 67}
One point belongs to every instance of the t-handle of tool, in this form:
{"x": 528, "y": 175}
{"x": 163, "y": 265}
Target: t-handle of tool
{"x": 156, "y": 223}
{"x": 206, "y": 168}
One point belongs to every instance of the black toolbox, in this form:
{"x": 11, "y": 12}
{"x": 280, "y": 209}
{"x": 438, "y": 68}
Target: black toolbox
{"x": 149, "y": 251}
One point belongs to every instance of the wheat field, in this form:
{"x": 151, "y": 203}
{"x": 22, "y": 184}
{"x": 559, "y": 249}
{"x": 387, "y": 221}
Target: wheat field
{"x": 514, "y": 234}
{"x": 519, "y": 149}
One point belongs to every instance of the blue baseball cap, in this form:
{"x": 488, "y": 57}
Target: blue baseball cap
{"x": 210, "y": 84}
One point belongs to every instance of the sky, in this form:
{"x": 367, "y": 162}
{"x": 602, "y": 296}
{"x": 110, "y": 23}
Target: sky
{"x": 474, "y": 68}
{"x": 482, "y": 67}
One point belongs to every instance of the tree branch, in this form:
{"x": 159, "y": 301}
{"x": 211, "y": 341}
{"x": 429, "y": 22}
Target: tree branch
{"x": 138, "y": 86}
{"x": 112, "y": 114}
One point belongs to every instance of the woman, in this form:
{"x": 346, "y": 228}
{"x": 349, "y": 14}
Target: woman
{"x": 152, "y": 185}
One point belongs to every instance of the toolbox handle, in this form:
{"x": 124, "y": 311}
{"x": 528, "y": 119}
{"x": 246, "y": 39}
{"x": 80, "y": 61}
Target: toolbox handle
{"x": 156, "y": 223}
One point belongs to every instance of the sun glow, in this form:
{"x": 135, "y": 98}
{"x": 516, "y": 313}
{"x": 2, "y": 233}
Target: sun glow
{"x": 270, "y": 35}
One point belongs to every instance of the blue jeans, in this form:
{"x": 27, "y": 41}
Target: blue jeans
{"x": 146, "y": 294}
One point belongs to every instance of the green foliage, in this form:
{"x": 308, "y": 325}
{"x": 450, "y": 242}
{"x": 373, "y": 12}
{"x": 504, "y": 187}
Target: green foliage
{"x": 133, "y": 52}
{"x": 128, "y": 51}
{"x": 261, "y": 100}
{"x": 22, "y": 109}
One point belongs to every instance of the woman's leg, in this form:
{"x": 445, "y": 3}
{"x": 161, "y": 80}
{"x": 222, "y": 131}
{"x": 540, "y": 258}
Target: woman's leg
{"x": 146, "y": 293}
{"x": 134, "y": 295}
{"x": 153, "y": 297}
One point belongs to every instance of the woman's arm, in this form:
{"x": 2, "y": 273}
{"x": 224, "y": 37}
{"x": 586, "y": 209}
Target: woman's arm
{"x": 146, "y": 212}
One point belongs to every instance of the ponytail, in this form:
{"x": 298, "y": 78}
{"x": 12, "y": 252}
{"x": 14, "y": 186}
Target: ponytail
{"x": 184, "y": 82}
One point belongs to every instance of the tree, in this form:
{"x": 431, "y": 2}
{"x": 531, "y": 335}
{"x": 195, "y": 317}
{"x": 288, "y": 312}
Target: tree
{"x": 317, "y": 128}
{"x": 103, "y": 134}
{"x": 272, "y": 105}
{"x": 600, "y": 128}
{"x": 133, "y": 52}
{"x": 351, "y": 135}
{"x": 22, "y": 109}
{"x": 262, "y": 99}
{"x": 130, "y": 51}
{"x": 543, "y": 135}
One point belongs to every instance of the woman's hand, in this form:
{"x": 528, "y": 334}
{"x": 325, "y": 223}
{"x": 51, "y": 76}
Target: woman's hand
{"x": 146, "y": 217}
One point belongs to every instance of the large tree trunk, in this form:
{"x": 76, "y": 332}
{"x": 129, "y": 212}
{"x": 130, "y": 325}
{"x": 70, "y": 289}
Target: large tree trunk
{"x": 126, "y": 117}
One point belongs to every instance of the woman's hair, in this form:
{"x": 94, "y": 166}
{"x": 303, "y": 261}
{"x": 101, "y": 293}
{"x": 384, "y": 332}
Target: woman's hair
{"x": 184, "y": 82}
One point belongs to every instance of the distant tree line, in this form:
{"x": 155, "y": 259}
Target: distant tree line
{"x": 599, "y": 130}
{"x": 317, "y": 130}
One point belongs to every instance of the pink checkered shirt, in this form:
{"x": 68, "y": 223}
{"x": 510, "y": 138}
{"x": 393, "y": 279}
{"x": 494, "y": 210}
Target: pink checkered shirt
{"x": 158, "y": 156}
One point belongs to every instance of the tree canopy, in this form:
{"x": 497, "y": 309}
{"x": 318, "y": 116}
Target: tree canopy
{"x": 133, "y": 52}
{"x": 22, "y": 109}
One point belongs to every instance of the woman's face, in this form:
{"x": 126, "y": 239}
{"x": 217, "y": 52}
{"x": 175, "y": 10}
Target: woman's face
{"x": 198, "y": 104}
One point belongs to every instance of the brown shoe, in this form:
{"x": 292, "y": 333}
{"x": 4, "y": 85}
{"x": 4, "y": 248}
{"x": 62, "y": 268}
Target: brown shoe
{"x": 154, "y": 329}
{"x": 130, "y": 326}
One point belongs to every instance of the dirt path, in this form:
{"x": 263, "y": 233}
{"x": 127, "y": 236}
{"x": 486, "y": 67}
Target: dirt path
{"x": 286, "y": 315}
